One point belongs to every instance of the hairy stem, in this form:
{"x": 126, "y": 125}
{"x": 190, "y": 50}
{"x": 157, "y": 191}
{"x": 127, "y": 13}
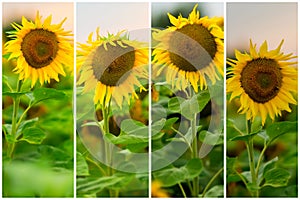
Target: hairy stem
{"x": 211, "y": 181}
{"x": 108, "y": 147}
{"x": 195, "y": 154}
{"x": 182, "y": 190}
{"x": 250, "y": 150}
{"x": 14, "y": 127}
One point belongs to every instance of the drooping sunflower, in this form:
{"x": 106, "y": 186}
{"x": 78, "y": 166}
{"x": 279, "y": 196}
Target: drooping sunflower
{"x": 190, "y": 51}
{"x": 42, "y": 49}
{"x": 264, "y": 80}
{"x": 112, "y": 66}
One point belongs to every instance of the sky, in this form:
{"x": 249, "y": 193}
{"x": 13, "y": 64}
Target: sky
{"x": 112, "y": 18}
{"x": 14, "y": 11}
{"x": 259, "y": 22}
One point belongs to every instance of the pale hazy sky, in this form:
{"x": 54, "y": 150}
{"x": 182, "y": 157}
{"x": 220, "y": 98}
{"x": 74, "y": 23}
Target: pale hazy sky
{"x": 15, "y": 11}
{"x": 262, "y": 21}
{"x": 112, "y": 18}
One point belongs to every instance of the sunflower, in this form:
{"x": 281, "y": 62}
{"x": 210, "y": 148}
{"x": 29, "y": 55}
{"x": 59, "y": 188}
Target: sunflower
{"x": 264, "y": 80}
{"x": 190, "y": 51}
{"x": 42, "y": 49}
{"x": 111, "y": 66}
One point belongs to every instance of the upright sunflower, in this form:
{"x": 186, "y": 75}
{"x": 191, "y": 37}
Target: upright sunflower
{"x": 189, "y": 50}
{"x": 264, "y": 81}
{"x": 112, "y": 65}
{"x": 42, "y": 49}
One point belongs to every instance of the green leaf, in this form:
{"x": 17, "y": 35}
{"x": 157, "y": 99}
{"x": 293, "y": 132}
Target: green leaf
{"x": 169, "y": 123}
{"x": 276, "y": 177}
{"x": 192, "y": 106}
{"x": 174, "y": 104}
{"x": 94, "y": 185}
{"x": 280, "y": 128}
{"x": 189, "y": 107}
{"x": 156, "y": 128}
{"x": 243, "y": 137}
{"x": 33, "y": 135}
{"x": 28, "y": 123}
{"x": 215, "y": 191}
{"x": 14, "y": 94}
{"x": 171, "y": 176}
{"x": 231, "y": 172}
{"x": 288, "y": 191}
{"x": 203, "y": 98}
{"x": 269, "y": 165}
{"x": 56, "y": 157}
{"x": 210, "y": 138}
{"x": 82, "y": 168}
{"x": 41, "y": 94}
{"x": 232, "y": 129}
{"x": 132, "y": 132}
{"x": 132, "y": 127}
{"x": 125, "y": 139}
{"x": 265, "y": 168}
{"x": 194, "y": 168}
{"x": 252, "y": 187}
{"x": 126, "y": 178}
{"x": 10, "y": 139}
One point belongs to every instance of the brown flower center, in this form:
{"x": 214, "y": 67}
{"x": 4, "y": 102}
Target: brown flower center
{"x": 261, "y": 79}
{"x": 111, "y": 66}
{"x": 192, "y": 47}
{"x": 39, "y": 47}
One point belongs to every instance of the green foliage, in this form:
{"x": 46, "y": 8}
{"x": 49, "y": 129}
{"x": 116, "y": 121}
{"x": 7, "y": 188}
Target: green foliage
{"x": 276, "y": 177}
{"x": 38, "y": 148}
{"x": 172, "y": 175}
{"x": 33, "y": 135}
{"x": 274, "y": 171}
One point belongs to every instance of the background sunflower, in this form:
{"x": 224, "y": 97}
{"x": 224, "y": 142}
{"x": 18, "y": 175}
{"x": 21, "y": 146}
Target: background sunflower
{"x": 111, "y": 66}
{"x": 190, "y": 50}
{"x": 42, "y": 49}
{"x": 264, "y": 80}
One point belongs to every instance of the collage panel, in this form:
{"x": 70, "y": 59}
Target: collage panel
{"x": 187, "y": 99}
{"x": 262, "y": 86}
{"x": 133, "y": 99}
{"x": 112, "y": 100}
{"x": 37, "y": 100}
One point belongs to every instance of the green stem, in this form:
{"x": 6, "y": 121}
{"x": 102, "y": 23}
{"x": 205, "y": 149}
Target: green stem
{"x": 96, "y": 164}
{"x": 250, "y": 150}
{"x": 211, "y": 181}
{"x": 241, "y": 177}
{"x": 182, "y": 190}
{"x": 16, "y": 104}
{"x": 195, "y": 154}
{"x": 105, "y": 113}
{"x": 189, "y": 185}
{"x": 183, "y": 137}
{"x": 22, "y": 116}
{"x": 108, "y": 147}
{"x": 260, "y": 159}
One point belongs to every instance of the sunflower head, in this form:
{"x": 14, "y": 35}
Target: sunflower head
{"x": 264, "y": 80}
{"x": 42, "y": 49}
{"x": 190, "y": 51}
{"x": 111, "y": 66}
